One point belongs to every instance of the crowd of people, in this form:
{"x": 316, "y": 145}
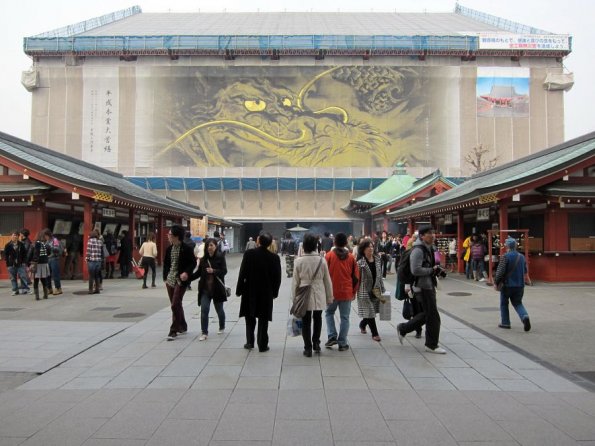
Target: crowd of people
{"x": 337, "y": 269}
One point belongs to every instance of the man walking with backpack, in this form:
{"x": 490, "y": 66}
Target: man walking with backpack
{"x": 423, "y": 269}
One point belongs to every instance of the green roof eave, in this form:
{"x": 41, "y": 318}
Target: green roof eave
{"x": 511, "y": 175}
{"x": 419, "y": 185}
{"x": 394, "y": 185}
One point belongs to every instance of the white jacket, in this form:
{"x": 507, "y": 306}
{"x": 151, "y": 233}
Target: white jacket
{"x": 322, "y": 287}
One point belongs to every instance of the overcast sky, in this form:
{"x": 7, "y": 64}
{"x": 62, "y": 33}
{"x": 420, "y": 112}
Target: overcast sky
{"x": 19, "y": 19}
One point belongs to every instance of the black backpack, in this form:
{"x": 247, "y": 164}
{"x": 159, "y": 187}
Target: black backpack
{"x": 404, "y": 273}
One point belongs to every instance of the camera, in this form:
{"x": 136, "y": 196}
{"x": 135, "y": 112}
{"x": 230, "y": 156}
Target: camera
{"x": 440, "y": 272}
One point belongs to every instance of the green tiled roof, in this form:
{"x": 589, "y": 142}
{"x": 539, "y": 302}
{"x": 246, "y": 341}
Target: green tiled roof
{"x": 511, "y": 175}
{"x": 392, "y": 186}
{"x": 415, "y": 187}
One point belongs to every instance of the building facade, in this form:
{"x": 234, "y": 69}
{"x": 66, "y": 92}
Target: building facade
{"x": 277, "y": 117}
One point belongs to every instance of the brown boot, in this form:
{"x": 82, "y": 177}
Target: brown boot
{"x": 57, "y": 291}
{"x": 37, "y": 294}
{"x": 46, "y": 291}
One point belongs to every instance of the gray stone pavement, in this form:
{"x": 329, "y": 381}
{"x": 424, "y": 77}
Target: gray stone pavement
{"x": 128, "y": 386}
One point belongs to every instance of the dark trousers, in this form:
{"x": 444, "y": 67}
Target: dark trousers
{"x": 383, "y": 264}
{"x": 71, "y": 265}
{"x": 429, "y": 316}
{"x": 124, "y": 269}
{"x": 178, "y": 322}
{"x": 369, "y": 322}
{"x": 311, "y": 337}
{"x": 146, "y": 263}
{"x": 262, "y": 335}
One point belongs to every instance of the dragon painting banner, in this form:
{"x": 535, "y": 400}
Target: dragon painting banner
{"x": 296, "y": 116}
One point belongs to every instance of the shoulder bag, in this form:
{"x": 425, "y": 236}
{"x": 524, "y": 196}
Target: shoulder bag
{"x": 227, "y": 289}
{"x": 302, "y": 297}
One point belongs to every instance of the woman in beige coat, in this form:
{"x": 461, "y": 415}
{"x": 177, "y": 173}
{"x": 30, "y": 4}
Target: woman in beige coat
{"x": 321, "y": 295}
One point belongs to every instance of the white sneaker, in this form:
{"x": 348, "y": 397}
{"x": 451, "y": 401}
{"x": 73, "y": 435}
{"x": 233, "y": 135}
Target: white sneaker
{"x": 221, "y": 331}
{"x": 437, "y": 350}
{"x": 482, "y": 279}
{"x": 203, "y": 337}
{"x": 15, "y": 293}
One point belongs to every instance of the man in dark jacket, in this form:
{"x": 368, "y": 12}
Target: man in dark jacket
{"x": 511, "y": 274}
{"x": 258, "y": 284}
{"x": 126, "y": 254}
{"x": 178, "y": 265}
{"x": 424, "y": 289}
{"x": 15, "y": 255}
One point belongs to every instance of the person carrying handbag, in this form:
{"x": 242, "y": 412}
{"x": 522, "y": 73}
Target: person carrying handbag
{"x": 510, "y": 279}
{"x": 370, "y": 289}
{"x": 211, "y": 272}
{"x": 311, "y": 269}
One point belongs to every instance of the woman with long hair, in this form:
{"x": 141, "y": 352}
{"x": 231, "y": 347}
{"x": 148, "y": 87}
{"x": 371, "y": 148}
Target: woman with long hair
{"x": 39, "y": 265}
{"x": 311, "y": 269}
{"x": 211, "y": 272}
{"x": 148, "y": 251}
{"x": 371, "y": 287}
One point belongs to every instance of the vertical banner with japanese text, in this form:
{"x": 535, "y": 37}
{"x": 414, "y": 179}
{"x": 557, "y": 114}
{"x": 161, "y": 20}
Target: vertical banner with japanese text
{"x": 100, "y": 116}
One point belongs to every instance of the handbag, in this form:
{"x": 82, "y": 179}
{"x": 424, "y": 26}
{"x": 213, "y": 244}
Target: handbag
{"x": 227, "y": 289}
{"x": 407, "y": 308}
{"x": 500, "y": 285}
{"x": 302, "y": 297}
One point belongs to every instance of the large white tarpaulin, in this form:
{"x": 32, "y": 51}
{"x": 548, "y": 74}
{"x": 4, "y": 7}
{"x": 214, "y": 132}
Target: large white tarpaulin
{"x": 100, "y": 116}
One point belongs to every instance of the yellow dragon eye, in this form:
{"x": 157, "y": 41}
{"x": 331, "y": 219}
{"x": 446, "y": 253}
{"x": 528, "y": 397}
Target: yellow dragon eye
{"x": 287, "y": 102}
{"x": 255, "y": 106}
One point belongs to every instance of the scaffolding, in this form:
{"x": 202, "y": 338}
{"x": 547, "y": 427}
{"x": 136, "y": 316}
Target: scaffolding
{"x": 499, "y": 22}
{"x": 87, "y": 25}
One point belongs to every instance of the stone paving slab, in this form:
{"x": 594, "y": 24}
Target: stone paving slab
{"x": 38, "y": 346}
{"x": 136, "y": 388}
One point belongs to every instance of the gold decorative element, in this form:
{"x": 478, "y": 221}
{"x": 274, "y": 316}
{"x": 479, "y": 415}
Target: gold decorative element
{"x": 488, "y": 198}
{"x": 103, "y": 196}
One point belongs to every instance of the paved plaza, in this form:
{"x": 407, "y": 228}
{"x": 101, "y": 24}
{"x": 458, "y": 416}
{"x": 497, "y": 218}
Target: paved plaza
{"x": 103, "y": 375}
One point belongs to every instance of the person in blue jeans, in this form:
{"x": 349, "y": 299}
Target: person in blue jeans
{"x": 15, "y": 255}
{"x": 345, "y": 278}
{"x": 511, "y": 274}
{"x": 211, "y": 286}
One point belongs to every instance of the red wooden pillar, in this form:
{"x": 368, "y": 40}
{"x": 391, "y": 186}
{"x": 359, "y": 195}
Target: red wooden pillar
{"x": 131, "y": 227}
{"x": 410, "y": 226}
{"x": 460, "y": 240}
{"x": 159, "y": 239}
{"x": 385, "y": 224}
{"x": 87, "y": 227}
{"x": 503, "y": 215}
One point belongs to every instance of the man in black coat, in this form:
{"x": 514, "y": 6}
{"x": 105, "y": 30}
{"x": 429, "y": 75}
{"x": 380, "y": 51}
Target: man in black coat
{"x": 258, "y": 284}
{"x": 125, "y": 255}
{"x": 178, "y": 265}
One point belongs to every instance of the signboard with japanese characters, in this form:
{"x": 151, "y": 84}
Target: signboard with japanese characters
{"x": 100, "y": 116}
{"x": 483, "y": 214}
{"x": 528, "y": 42}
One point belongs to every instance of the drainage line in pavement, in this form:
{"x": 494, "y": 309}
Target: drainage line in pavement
{"x": 578, "y": 380}
{"x": 83, "y": 351}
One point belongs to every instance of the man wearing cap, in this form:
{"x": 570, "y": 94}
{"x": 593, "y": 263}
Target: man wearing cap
{"x": 511, "y": 274}
{"x": 424, "y": 289}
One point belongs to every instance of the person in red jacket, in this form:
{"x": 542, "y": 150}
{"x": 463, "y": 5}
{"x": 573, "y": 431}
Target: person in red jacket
{"x": 345, "y": 278}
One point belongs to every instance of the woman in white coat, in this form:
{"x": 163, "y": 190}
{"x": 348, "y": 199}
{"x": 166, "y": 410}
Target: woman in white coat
{"x": 321, "y": 295}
